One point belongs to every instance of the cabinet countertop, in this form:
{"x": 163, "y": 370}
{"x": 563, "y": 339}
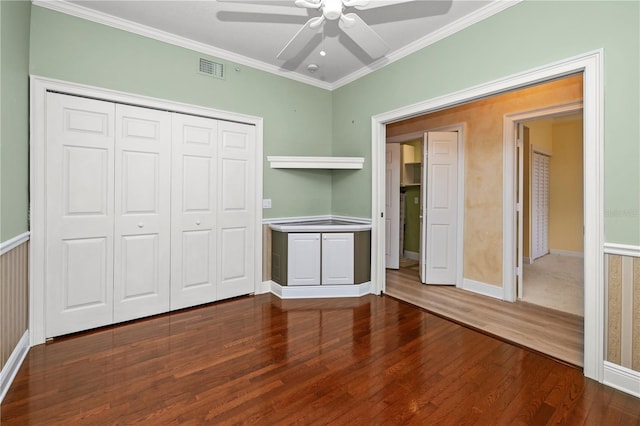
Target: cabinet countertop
{"x": 326, "y": 225}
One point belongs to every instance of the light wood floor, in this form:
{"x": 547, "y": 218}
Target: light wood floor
{"x": 265, "y": 361}
{"x": 557, "y": 334}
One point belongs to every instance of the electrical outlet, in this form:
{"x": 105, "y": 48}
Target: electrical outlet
{"x": 266, "y": 203}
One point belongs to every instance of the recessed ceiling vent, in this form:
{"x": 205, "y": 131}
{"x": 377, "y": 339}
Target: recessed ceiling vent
{"x": 211, "y": 68}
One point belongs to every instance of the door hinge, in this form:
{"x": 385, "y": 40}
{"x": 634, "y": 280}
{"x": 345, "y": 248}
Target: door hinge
{"x": 518, "y": 207}
{"x": 381, "y": 214}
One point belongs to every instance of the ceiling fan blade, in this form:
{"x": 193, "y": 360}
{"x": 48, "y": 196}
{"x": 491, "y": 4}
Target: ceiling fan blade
{"x": 372, "y": 4}
{"x": 363, "y": 35}
{"x": 301, "y": 39}
{"x": 286, "y": 3}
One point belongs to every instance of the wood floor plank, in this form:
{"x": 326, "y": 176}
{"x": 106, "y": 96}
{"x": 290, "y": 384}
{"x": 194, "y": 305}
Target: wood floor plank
{"x": 262, "y": 360}
{"x": 557, "y": 334}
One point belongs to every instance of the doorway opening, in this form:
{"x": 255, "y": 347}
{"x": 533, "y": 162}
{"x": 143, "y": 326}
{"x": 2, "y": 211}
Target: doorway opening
{"x": 424, "y": 181}
{"x": 590, "y": 66}
{"x": 550, "y": 245}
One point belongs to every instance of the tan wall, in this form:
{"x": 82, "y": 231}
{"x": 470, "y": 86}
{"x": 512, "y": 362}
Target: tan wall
{"x": 14, "y": 299}
{"x": 483, "y": 165}
{"x": 566, "y": 194}
{"x": 623, "y": 311}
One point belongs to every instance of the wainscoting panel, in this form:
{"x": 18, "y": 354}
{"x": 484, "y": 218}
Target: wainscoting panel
{"x": 623, "y": 311}
{"x": 14, "y": 299}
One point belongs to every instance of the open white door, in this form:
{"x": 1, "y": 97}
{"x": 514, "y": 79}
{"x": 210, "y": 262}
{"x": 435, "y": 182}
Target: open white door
{"x": 392, "y": 206}
{"x": 440, "y": 208}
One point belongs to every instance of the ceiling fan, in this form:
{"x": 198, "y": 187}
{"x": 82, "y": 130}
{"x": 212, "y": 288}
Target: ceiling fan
{"x": 334, "y": 10}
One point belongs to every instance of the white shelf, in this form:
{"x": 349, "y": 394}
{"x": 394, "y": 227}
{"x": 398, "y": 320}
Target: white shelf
{"x": 290, "y": 162}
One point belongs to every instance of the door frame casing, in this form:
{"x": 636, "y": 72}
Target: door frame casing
{"x": 461, "y": 128}
{"x": 509, "y": 178}
{"x": 39, "y": 86}
{"x": 592, "y": 67}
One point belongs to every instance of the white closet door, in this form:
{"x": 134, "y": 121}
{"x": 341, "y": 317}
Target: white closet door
{"x": 337, "y": 258}
{"x": 392, "y": 206}
{"x": 142, "y": 212}
{"x": 236, "y": 209}
{"x": 540, "y": 204}
{"x": 193, "y": 241}
{"x": 79, "y": 214}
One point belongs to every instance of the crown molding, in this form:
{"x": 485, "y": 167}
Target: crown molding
{"x": 458, "y": 25}
{"x": 82, "y": 12}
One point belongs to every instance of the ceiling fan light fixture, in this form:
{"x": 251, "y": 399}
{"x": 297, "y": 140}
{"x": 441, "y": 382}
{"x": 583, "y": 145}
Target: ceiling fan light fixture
{"x": 312, "y": 68}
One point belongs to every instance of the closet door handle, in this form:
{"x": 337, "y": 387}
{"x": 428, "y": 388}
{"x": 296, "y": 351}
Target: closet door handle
{"x": 197, "y": 222}
{"x": 140, "y": 225}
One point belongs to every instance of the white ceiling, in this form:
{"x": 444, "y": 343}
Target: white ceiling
{"x": 254, "y": 34}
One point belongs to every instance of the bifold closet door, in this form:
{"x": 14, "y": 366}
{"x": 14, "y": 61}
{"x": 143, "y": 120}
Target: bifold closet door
{"x": 236, "y": 209}
{"x": 79, "y": 214}
{"x": 142, "y": 212}
{"x": 193, "y": 241}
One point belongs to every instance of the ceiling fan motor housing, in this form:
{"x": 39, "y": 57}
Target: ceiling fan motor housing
{"x": 332, "y": 9}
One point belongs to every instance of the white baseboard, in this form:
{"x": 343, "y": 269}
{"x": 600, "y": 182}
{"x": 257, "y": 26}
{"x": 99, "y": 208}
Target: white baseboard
{"x": 320, "y": 291}
{"x": 13, "y": 364}
{"x": 411, "y": 255}
{"x": 567, "y": 253}
{"x": 622, "y": 378}
{"x": 482, "y": 288}
{"x": 263, "y": 287}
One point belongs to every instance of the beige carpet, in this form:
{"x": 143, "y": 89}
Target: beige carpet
{"x": 556, "y": 282}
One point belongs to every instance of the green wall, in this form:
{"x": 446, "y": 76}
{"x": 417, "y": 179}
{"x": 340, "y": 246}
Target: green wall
{"x": 14, "y": 117}
{"x": 297, "y": 116}
{"x": 525, "y": 36}
{"x": 412, "y": 219}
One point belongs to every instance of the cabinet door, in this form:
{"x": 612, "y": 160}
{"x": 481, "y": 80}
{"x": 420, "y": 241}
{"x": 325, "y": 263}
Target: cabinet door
{"x": 193, "y": 228}
{"x": 337, "y": 258}
{"x": 303, "y": 259}
{"x": 142, "y": 212}
{"x": 236, "y": 209}
{"x": 79, "y": 214}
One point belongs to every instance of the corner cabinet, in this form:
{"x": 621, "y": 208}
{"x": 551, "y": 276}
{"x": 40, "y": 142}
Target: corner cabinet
{"x": 320, "y": 258}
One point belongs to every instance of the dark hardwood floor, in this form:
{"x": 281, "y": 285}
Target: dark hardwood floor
{"x": 261, "y": 360}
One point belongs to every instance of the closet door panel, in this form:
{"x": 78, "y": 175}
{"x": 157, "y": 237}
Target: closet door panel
{"x": 193, "y": 246}
{"x": 236, "y": 209}
{"x": 79, "y": 215}
{"x": 142, "y": 212}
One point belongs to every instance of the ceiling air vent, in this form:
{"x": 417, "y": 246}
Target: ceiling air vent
{"x": 211, "y": 68}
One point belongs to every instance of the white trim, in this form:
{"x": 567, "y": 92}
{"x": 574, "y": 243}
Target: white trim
{"x": 155, "y": 34}
{"x": 566, "y": 253}
{"x": 292, "y": 162}
{"x": 320, "y": 291}
{"x": 82, "y": 12}
{"x": 411, "y": 255}
{"x": 277, "y": 220}
{"x": 482, "y": 288}
{"x": 265, "y": 287}
{"x": 39, "y": 86}
{"x": 487, "y": 11}
{"x": 13, "y": 364}
{"x": 14, "y": 242}
{"x": 591, "y": 64}
{"x": 622, "y": 378}
{"x": 622, "y": 249}
{"x": 541, "y": 150}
